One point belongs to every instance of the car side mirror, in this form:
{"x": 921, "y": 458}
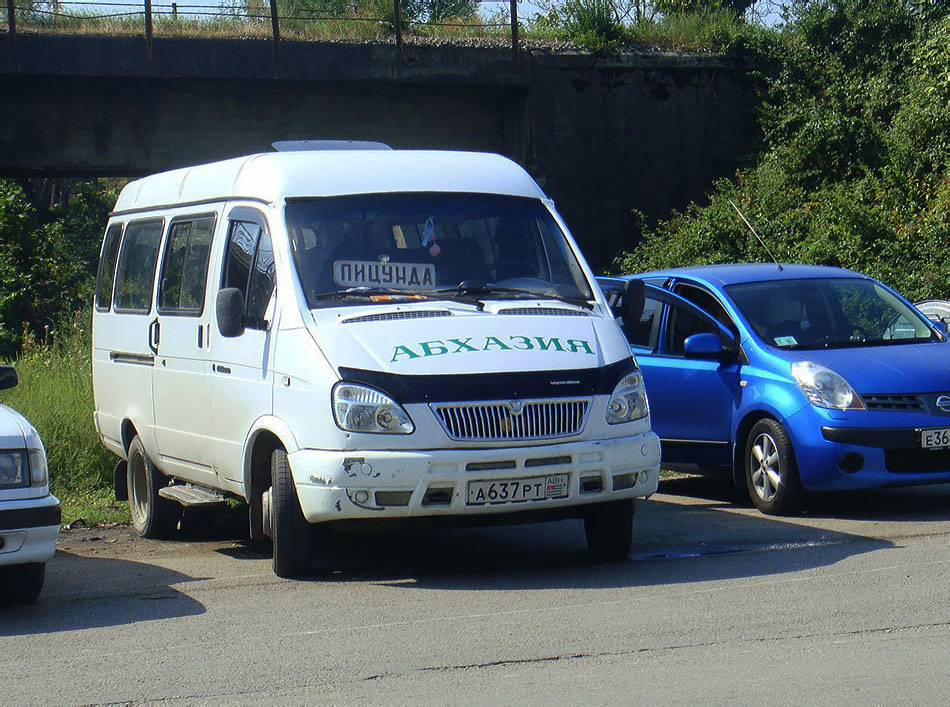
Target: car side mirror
{"x": 8, "y": 377}
{"x": 706, "y": 346}
{"x": 942, "y": 327}
{"x": 631, "y": 304}
{"x": 229, "y": 308}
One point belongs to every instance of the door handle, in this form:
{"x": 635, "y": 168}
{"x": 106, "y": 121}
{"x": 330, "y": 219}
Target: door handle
{"x": 154, "y": 335}
{"x": 218, "y": 368}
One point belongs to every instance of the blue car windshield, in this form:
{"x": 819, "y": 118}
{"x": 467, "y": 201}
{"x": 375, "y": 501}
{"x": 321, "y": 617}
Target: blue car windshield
{"x": 825, "y": 313}
{"x": 393, "y": 247}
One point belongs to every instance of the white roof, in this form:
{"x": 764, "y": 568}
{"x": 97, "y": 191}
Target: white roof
{"x": 276, "y": 175}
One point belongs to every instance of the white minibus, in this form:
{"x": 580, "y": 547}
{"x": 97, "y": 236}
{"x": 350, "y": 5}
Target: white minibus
{"x": 339, "y": 336}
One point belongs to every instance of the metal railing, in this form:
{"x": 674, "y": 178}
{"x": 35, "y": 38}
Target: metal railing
{"x": 121, "y": 10}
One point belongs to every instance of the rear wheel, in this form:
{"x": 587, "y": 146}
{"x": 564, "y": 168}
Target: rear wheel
{"x": 609, "y": 530}
{"x": 290, "y": 532}
{"x": 152, "y": 516}
{"x": 770, "y": 470}
{"x": 21, "y": 584}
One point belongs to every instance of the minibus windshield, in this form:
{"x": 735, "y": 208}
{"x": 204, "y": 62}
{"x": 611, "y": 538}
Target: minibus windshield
{"x": 828, "y": 313}
{"x": 394, "y": 247}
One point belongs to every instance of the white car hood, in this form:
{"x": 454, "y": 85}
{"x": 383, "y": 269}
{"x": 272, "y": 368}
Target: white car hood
{"x": 14, "y": 429}
{"x": 449, "y": 339}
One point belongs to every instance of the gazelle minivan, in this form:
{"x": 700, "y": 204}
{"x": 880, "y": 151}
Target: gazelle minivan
{"x": 339, "y": 336}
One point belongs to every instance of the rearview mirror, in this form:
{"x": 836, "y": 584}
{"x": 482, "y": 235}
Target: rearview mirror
{"x": 631, "y": 304}
{"x": 8, "y": 377}
{"x": 229, "y": 308}
{"x": 705, "y": 346}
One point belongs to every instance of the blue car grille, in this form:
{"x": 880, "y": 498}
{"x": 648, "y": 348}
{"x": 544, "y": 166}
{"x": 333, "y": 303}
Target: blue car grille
{"x": 897, "y": 403}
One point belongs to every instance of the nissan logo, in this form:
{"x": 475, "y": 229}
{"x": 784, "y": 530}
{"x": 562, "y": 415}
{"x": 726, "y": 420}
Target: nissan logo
{"x": 943, "y": 403}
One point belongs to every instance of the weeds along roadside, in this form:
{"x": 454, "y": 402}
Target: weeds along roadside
{"x": 55, "y": 395}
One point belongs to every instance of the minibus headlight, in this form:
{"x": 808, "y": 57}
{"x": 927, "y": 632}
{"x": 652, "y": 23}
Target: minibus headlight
{"x": 824, "y": 388}
{"x": 358, "y": 408}
{"x": 628, "y": 402}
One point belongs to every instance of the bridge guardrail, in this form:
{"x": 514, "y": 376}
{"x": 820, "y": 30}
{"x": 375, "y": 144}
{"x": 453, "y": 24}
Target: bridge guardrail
{"x": 68, "y": 11}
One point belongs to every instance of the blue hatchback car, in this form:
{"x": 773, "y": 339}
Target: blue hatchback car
{"x": 789, "y": 378}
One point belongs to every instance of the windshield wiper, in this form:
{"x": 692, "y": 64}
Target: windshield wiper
{"x": 481, "y": 289}
{"x": 367, "y": 292}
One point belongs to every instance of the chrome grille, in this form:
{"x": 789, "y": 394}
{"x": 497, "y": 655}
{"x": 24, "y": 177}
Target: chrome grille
{"x": 549, "y": 311}
{"x": 390, "y": 316}
{"x": 513, "y": 420}
{"x": 905, "y": 403}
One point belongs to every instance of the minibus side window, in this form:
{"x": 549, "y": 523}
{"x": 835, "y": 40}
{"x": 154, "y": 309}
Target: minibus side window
{"x": 106, "y": 274}
{"x": 250, "y": 268}
{"x": 262, "y": 281}
{"x": 185, "y": 267}
{"x": 135, "y": 275}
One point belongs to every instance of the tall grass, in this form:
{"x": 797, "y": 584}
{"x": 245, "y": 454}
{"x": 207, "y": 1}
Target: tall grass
{"x": 55, "y": 395}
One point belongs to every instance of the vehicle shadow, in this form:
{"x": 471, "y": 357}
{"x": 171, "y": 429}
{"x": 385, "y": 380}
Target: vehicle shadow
{"x": 84, "y": 592}
{"x": 897, "y": 504}
{"x": 673, "y": 543}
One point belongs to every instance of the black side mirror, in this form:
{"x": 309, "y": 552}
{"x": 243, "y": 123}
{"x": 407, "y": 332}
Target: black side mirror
{"x": 631, "y": 304}
{"x": 229, "y": 308}
{"x": 8, "y": 377}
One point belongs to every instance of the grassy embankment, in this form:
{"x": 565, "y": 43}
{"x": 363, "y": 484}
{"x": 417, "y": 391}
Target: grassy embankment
{"x": 55, "y": 394}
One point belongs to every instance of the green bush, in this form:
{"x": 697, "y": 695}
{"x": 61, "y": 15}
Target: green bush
{"x": 855, "y": 166}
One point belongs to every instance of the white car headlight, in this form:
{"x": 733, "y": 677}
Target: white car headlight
{"x": 628, "y": 402}
{"x": 358, "y": 408}
{"x": 14, "y": 469}
{"x": 824, "y": 388}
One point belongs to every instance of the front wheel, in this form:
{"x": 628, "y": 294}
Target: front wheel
{"x": 609, "y": 529}
{"x": 290, "y": 532}
{"x": 770, "y": 471}
{"x": 21, "y": 584}
{"x": 152, "y": 516}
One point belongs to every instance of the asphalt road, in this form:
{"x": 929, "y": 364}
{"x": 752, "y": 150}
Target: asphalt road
{"x": 847, "y": 603}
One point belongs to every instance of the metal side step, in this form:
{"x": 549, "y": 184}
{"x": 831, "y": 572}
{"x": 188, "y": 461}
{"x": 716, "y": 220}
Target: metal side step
{"x": 189, "y": 495}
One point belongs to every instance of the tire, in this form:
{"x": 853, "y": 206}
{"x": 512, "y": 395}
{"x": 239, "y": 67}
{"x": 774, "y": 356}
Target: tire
{"x": 153, "y": 517}
{"x": 771, "y": 474}
{"x": 21, "y": 584}
{"x": 290, "y": 532}
{"x": 609, "y": 530}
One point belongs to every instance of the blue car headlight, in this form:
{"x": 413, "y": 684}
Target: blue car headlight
{"x": 824, "y": 388}
{"x": 628, "y": 402}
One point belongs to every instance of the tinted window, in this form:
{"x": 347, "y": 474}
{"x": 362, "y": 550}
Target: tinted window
{"x": 185, "y": 267}
{"x": 708, "y": 303}
{"x": 262, "y": 280}
{"x": 645, "y": 332}
{"x": 241, "y": 244}
{"x": 135, "y": 274}
{"x": 106, "y": 275}
{"x": 680, "y": 326}
{"x": 250, "y": 268}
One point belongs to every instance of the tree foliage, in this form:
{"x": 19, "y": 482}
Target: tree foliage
{"x": 49, "y": 246}
{"x": 855, "y": 166}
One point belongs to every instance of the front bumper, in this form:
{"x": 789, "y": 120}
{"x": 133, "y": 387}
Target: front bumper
{"x": 28, "y": 530}
{"x": 865, "y": 449}
{"x": 338, "y": 485}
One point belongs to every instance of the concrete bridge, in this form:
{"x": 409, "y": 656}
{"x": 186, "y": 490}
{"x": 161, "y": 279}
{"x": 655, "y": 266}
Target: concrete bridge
{"x": 602, "y": 135}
